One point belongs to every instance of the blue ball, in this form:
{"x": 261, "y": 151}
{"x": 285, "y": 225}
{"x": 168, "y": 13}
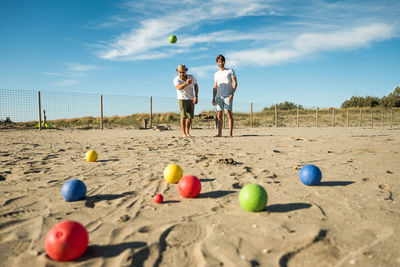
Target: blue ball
{"x": 73, "y": 190}
{"x": 310, "y": 175}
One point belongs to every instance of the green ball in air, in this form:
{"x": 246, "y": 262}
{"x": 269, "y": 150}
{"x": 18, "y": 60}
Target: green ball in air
{"x": 173, "y": 39}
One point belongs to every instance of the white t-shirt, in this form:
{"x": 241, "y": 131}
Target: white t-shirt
{"x": 187, "y": 92}
{"x": 224, "y": 82}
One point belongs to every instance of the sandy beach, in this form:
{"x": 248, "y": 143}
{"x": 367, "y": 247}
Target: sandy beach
{"x": 351, "y": 219}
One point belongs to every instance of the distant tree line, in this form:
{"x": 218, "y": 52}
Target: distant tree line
{"x": 284, "y": 106}
{"x": 391, "y": 100}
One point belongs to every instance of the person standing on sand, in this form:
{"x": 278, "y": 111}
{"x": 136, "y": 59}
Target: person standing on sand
{"x": 225, "y": 85}
{"x": 185, "y": 84}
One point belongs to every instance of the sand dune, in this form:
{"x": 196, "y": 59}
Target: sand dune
{"x": 351, "y": 219}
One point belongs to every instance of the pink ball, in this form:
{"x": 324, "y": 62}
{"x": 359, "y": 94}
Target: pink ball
{"x": 189, "y": 186}
{"x": 158, "y": 198}
{"x": 66, "y": 241}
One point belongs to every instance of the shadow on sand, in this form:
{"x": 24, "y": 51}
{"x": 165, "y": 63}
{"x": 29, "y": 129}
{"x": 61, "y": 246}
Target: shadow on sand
{"x": 90, "y": 200}
{"x": 287, "y": 207}
{"x": 216, "y": 194}
{"x": 335, "y": 183}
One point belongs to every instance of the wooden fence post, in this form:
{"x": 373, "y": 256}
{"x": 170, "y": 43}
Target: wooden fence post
{"x": 347, "y": 118}
{"x": 360, "y": 117}
{"x": 383, "y": 116}
{"x": 316, "y": 116}
{"x": 151, "y": 112}
{"x": 101, "y": 112}
{"x": 251, "y": 114}
{"x": 40, "y": 111}
{"x": 276, "y": 116}
{"x": 297, "y": 116}
{"x": 333, "y": 117}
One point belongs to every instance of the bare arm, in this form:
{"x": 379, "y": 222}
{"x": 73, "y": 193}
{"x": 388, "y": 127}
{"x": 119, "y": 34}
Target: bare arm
{"x": 234, "y": 85}
{"x": 183, "y": 85}
{"x": 196, "y": 93}
{"x": 214, "y": 93}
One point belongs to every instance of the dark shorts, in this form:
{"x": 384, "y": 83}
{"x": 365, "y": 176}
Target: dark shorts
{"x": 187, "y": 108}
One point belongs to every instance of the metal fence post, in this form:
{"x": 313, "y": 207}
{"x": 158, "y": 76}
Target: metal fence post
{"x": 347, "y": 118}
{"x": 276, "y": 116}
{"x": 316, "y": 116}
{"x": 40, "y": 111}
{"x": 360, "y": 117}
{"x": 297, "y": 116}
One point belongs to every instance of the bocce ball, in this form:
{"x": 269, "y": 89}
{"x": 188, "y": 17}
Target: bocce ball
{"x": 66, "y": 241}
{"x": 73, "y": 190}
{"x": 189, "y": 186}
{"x": 91, "y": 156}
{"x": 158, "y": 198}
{"x": 173, "y": 39}
{"x": 310, "y": 175}
{"x": 253, "y": 197}
{"x": 173, "y": 173}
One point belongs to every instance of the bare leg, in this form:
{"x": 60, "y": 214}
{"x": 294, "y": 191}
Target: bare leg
{"x": 183, "y": 128}
{"x": 230, "y": 117}
{"x": 220, "y": 122}
{"x": 188, "y": 124}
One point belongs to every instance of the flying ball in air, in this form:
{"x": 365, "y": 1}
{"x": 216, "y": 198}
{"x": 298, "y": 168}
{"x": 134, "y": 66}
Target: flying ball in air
{"x": 173, "y": 39}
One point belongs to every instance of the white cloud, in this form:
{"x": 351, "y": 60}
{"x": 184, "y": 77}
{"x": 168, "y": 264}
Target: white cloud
{"x": 153, "y": 32}
{"x": 309, "y": 43}
{"x": 66, "y": 83}
{"x": 203, "y": 71}
{"x": 51, "y": 73}
{"x": 345, "y": 39}
{"x": 79, "y": 67}
{"x": 289, "y": 32}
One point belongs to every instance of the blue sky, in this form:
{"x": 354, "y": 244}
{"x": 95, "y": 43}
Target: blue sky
{"x": 318, "y": 53}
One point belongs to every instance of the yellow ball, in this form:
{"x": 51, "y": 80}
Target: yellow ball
{"x": 173, "y": 173}
{"x": 91, "y": 156}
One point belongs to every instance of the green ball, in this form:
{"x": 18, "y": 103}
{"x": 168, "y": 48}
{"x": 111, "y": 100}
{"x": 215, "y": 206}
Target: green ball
{"x": 253, "y": 197}
{"x": 173, "y": 39}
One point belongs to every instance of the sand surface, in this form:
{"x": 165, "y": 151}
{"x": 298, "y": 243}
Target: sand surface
{"x": 351, "y": 219}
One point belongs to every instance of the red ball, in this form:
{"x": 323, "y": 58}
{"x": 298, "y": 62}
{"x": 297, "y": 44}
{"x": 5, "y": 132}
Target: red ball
{"x": 189, "y": 186}
{"x": 158, "y": 198}
{"x": 66, "y": 241}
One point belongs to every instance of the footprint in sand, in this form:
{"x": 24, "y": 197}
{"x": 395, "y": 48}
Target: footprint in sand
{"x": 184, "y": 235}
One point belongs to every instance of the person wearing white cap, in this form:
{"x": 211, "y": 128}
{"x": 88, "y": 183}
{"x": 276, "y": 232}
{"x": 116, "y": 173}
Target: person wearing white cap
{"x": 187, "y": 91}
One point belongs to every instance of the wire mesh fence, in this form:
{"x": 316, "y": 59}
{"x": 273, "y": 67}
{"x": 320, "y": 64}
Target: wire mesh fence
{"x": 25, "y": 108}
